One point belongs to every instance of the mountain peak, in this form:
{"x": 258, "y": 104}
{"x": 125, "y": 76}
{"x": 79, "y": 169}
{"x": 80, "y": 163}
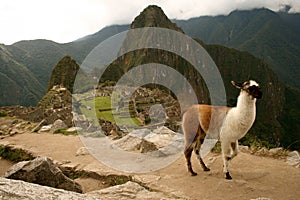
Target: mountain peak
{"x": 154, "y": 16}
{"x": 64, "y": 73}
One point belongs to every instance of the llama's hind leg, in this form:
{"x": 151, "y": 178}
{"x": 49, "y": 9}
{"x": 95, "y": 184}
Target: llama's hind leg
{"x": 188, "y": 153}
{"x": 235, "y": 148}
{"x": 197, "y": 148}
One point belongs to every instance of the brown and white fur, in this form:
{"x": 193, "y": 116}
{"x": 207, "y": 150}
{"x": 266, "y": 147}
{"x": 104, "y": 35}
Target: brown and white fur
{"x": 229, "y": 124}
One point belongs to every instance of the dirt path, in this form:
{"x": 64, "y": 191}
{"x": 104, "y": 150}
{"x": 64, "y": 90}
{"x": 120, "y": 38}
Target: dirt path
{"x": 253, "y": 176}
{"x": 4, "y": 166}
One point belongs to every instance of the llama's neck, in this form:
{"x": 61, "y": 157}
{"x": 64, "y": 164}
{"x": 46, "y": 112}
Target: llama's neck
{"x": 240, "y": 119}
{"x": 246, "y": 109}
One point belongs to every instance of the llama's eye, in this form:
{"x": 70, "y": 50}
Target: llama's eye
{"x": 251, "y": 89}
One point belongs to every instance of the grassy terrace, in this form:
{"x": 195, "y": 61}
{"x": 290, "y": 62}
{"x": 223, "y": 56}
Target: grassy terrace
{"x": 104, "y": 104}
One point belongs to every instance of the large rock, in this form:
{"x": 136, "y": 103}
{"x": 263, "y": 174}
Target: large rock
{"x": 82, "y": 151}
{"x": 162, "y": 140}
{"x": 58, "y": 124}
{"x": 161, "y": 136}
{"x": 45, "y": 128}
{"x": 16, "y": 189}
{"x": 130, "y": 190}
{"x": 135, "y": 142}
{"x": 42, "y": 171}
{"x": 293, "y": 159}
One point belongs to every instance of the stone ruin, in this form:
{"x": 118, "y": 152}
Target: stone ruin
{"x": 56, "y": 104}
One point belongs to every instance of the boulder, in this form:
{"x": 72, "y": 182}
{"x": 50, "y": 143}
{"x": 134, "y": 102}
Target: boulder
{"x": 45, "y": 128}
{"x": 17, "y": 189}
{"x": 42, "y": 171}
{"x": 293, "y": 159}
{"x": 161, "y": 136}
{"x": 82, "y": 151}
{"x": 134, "y": 143}
{"x": 130, "y": 190}
{"x": 163, "y": 140}
{"x": 276, "y": 151}
{"x": 58, "y": 124}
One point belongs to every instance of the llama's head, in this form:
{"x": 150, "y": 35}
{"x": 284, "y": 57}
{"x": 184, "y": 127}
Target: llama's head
{"x": 250, "y": 87}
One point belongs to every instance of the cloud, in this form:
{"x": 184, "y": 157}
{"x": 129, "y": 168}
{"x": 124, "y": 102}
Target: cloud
{"x": 67, "y": 20}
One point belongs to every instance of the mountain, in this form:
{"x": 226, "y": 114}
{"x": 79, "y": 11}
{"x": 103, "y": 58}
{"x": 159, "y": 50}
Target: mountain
{"x": 278, "y": 111}
{"x": 273, "y": 37}
{"x": 64, "y": 74}
{"x": 154, "y": 16}
{"x": 232, "y": 64}
{"x": 26, "y": 66}
{"x": 18, "y": 85}
{"x": 80, "y": 48}
{"x": 39, "y": 56}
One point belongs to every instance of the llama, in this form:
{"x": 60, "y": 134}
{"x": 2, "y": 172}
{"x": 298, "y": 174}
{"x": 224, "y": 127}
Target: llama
{"x": 229, "y": 124}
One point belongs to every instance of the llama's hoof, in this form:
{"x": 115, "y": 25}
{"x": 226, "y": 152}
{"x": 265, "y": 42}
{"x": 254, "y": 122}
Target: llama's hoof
{"x": 228, "y": 177}
{"x": 206, "y": 169}
{"x": 194, "y": 174}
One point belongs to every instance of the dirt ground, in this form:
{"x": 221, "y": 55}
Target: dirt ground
{"x": 253, "y": 176}
{"x": 4, "y": 166}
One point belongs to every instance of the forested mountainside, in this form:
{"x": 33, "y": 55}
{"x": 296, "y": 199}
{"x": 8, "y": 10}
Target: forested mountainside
{"x": 271, "y": 36}
{"x": 277, "y": 111}
{"x": 233, "y": 65}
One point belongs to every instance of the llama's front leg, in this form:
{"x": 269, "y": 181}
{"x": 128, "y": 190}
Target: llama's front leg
{"x": 226, "y": 154}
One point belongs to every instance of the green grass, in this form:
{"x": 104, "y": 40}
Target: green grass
{"x": 65, "y": 132}
{"x": 104, "y": 103}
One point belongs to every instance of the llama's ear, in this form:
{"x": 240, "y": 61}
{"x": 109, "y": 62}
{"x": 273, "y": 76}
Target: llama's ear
{"x": 237, "y": 85}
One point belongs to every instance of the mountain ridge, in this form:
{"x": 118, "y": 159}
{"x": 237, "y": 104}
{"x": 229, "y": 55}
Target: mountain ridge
{"x": 29, "y": 52}
{"x": 233, "y": 65}
{"x": 271, "y": 36}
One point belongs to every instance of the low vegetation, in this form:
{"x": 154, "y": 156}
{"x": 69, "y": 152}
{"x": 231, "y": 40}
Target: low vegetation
{"x": 65, "y": 131}
{"x": 106, "y": 180}
{"x": 14, "y": 155}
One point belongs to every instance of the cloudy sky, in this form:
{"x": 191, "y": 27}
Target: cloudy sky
{"x": 67, "y": 20}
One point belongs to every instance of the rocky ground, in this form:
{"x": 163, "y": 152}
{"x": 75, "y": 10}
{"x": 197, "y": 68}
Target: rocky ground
{"x": 254, "y": 176}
